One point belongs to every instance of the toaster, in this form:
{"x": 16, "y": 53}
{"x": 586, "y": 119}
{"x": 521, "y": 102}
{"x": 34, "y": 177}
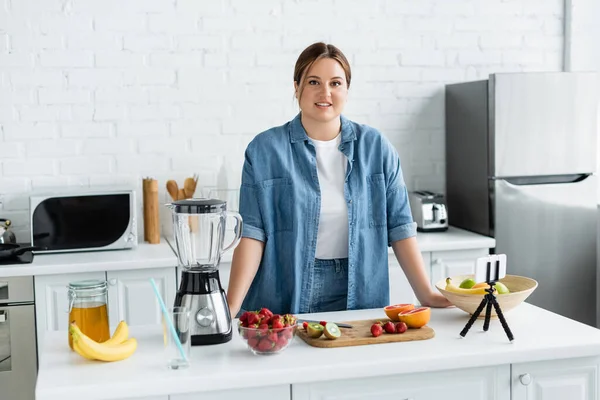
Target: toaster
{"x": 429, "y": 211}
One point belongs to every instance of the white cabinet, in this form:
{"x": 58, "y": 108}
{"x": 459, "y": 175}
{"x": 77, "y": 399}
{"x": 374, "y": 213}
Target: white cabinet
{"x": 485, "y": 383}
{"x": 400, "y": 290}
{"x": 280, "y": 392}
{"x": 131, "y": 297}
{"x": 453, "y": 263}
{"x": 573, "y": 379}
{"x": 52, "y": 301}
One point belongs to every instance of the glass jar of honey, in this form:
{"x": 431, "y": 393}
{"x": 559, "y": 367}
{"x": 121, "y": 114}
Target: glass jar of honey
{"x": 88, "y": 309}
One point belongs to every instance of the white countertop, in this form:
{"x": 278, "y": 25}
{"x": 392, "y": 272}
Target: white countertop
{"x": 453, "y": 239}
{"x": 144, "y": 256}
{"x": 539, "y": 335}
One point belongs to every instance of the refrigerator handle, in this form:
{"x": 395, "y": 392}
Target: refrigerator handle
{"x": 546, "y": 179}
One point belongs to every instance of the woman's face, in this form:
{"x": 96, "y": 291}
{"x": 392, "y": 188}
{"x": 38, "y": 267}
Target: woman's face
{"x": 325, "y": 91}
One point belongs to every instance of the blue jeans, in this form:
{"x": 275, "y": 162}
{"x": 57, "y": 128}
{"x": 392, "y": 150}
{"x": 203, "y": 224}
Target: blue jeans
{"x": 327, "y": 289}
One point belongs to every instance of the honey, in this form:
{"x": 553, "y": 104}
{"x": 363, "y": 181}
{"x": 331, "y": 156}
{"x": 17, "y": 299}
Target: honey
{"x": 92, "y": 320}
{"x": 88, "y": 309}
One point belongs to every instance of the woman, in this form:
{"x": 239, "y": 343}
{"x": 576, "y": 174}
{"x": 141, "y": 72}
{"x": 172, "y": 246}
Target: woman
{"x": 321, "y": 198}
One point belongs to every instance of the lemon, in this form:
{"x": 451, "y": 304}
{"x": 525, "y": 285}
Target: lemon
{"x": 467, "y": 283}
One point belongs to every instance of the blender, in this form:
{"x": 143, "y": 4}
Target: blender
{"x": 199, "y": 229}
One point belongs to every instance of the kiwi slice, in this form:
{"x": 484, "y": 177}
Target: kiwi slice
{"x": 314, "y": 330}
{"x": 332, "y": 331}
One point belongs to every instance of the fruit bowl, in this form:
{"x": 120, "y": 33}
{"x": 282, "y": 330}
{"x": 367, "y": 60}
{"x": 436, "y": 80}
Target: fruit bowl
{"x": 266, "y": 333}
{"x": 267, "y": 341}
{"x": 520, "y": 288}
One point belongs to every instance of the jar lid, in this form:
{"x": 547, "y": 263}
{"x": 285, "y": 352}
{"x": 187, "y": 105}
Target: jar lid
{"x": 88, "y": 288}
{"x": 87, "y": 284}
{"x": 199, "y": 206}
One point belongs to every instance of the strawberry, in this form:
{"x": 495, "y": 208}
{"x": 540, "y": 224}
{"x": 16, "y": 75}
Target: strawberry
{"x": 401, "y": 327}
{"x": 323, "y": 323}
{"x": 265, "y": 345}
{"x": 244, "y": 316}
{"x": 286, "y": 333}
{"x": 273, "y": 337}
{"x": 266, "y": 312}
{"x": 277, "y": 324}
{"x": 253, "y": 319}
{"x": 389, "y": 327}
{"x": 251, "y": 332}
{"x": 253, "y": 342}
{"x": 376, "y": 330}
{"x": 275, "y": 317}
{"x": 282, "y": 341}
{"x": 264, "y": 329}
{"x": 304, "y": 325}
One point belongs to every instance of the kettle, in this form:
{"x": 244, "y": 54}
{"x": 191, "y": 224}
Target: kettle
{"x": 6, "y": 236}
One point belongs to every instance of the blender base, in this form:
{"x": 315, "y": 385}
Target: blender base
{"x": 215, "y": 338}
{"x": 201, "y": 292}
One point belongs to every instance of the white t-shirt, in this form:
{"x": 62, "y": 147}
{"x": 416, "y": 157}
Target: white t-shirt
{"x": 332, "y": 236}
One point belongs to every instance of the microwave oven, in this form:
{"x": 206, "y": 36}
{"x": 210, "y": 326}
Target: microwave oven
{"x": 83, "y": 220}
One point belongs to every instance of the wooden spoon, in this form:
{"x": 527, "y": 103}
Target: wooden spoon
{"x": 181, "y": 195}
{"x": 189, "y": 186}
{"x": 173, "y": 189}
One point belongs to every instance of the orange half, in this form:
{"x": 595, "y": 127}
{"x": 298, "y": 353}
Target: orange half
{"x": 415, "y": 318}
{"x": 395, "y": 309}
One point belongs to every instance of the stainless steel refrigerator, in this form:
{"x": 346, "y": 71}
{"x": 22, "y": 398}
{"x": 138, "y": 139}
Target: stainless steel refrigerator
{"x": 521, "y": 167}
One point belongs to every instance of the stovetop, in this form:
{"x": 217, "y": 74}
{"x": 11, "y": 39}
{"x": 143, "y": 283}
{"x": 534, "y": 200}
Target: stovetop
{"x": 25, "y": 258}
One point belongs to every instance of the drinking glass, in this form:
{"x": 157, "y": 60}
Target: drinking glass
{"x": 180, "y": 318}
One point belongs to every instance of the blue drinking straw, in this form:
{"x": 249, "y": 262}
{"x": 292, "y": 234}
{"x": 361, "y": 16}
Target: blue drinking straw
{"x": 166, "y": 314}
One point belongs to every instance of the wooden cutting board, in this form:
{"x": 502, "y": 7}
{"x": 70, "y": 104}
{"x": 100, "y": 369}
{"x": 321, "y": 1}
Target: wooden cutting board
{"x": 360, "y": 334}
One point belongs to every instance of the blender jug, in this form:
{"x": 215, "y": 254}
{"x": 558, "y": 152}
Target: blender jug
{"x": 199, "y": 230}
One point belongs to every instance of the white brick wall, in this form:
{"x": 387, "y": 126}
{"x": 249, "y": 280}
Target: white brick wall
{"x": 101, "y": 92}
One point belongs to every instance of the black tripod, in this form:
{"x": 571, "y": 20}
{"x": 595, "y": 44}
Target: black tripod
{"x": 489, "y": 299}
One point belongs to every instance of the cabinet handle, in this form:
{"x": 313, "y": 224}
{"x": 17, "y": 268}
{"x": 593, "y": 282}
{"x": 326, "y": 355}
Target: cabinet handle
{"x": 438, "y": 261}
{"x": 112, "y": 282}
{"x": 525, "y": 379}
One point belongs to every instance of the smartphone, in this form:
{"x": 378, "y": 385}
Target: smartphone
{"x": 490, "y": 268}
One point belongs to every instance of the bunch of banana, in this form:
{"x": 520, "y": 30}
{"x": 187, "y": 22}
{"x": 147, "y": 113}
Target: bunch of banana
{"x": 451, "y": 287}
{"x": 117, "y": 348}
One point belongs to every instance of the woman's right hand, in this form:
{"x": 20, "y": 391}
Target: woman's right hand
{"x": 435, "y": 300}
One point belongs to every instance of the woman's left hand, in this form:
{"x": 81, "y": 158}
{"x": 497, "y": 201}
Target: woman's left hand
{"x": 436, "y": 300}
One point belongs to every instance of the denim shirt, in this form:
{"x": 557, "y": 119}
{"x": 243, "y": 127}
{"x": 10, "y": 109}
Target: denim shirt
{"x": 280, "y": 203}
